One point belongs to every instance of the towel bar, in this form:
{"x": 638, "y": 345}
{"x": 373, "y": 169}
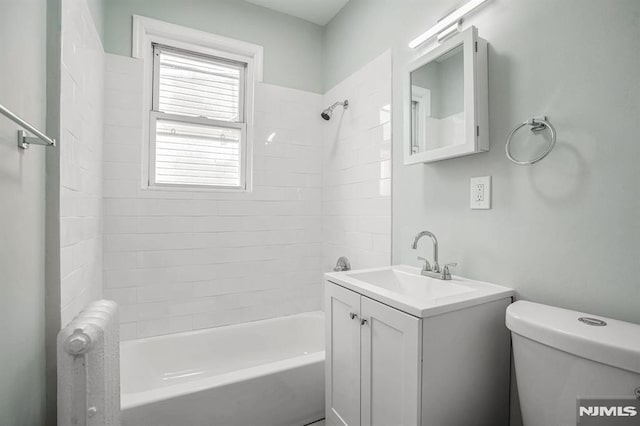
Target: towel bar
{"x": 536, "y": 124}
{"x": 24, "y": 140}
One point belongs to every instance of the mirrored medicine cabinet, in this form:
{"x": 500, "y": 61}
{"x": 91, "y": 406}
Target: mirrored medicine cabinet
{"x": 445, "y": 100}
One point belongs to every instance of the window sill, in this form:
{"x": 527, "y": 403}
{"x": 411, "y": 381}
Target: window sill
{"x": 195, "y": 188}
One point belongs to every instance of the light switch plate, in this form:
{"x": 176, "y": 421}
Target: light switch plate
{"x": 480, "y": 193}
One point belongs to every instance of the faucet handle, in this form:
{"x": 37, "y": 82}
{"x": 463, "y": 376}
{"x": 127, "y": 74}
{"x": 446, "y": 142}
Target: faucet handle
{"x": 446, "y": 274}
{"x": 427, "y": 265}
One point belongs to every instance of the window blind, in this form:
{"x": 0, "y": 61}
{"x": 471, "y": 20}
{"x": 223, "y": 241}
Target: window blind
{"x": 199, "y": 119}
{"x": 197, "y": 154}
{"x": 198, "y": 86}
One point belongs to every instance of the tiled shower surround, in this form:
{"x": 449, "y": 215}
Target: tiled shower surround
{"x": 181, "y": 260}
{"x": 356, "y": 178}
{"x": 81, "y": 123}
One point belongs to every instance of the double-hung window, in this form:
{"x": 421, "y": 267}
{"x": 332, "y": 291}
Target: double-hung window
{"x": 198, "y": 128}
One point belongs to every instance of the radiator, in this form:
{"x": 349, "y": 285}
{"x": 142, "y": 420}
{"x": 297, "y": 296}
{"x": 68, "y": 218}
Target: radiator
{"x": 89, "y": 367}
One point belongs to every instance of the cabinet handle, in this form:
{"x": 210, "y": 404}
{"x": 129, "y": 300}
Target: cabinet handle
{"x": 363, "y": 321}
{"x": 353, "y": 315}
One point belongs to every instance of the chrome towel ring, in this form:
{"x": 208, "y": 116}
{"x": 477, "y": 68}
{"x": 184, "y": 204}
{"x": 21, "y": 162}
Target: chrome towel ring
{"x": 537, "y": 124}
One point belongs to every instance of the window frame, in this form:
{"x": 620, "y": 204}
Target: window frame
{"x": 148, "y": 32}
{"x": 155, "y": 115}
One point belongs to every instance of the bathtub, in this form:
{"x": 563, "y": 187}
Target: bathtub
{"x": 262, "y": 373}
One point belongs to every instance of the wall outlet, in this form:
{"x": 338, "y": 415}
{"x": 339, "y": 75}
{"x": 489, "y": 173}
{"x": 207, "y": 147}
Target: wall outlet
{"x": 480, "y": 193}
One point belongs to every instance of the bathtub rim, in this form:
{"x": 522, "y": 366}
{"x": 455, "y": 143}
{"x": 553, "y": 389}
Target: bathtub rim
{"x": 137, "y": 399}
{"x": 131, "y": 342}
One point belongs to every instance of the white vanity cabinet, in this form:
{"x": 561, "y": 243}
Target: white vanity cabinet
{"x": 373, "y": 361}
{"x": 386, "y": 367}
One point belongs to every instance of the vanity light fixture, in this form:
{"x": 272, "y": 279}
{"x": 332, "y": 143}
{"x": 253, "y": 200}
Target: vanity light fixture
{"x": 448, "y": 23}
{"x": 453, "y": 29}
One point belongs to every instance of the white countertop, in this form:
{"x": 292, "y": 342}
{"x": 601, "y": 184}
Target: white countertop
{"x": 402, "y": 287}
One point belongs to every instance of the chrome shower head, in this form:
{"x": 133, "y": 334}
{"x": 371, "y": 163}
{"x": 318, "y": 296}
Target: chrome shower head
{"x": 326, "y": 114}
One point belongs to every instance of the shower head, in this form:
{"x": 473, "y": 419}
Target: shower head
{"x": 326, "y": 114}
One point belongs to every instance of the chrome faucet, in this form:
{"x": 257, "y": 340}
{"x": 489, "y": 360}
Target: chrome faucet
{"x": 432, "y": 269}
{"x": 427, "y": 266}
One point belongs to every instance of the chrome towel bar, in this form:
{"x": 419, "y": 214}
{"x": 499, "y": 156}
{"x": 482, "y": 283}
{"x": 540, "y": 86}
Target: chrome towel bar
{"x": 24, "y": 140}
{"x": 536, "y": 124}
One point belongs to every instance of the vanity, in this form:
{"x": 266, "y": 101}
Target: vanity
{"x": 406, "y": 349}
{"x": 419, "y": 346}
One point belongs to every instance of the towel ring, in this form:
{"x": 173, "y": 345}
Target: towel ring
{"x": 537, "y": 124}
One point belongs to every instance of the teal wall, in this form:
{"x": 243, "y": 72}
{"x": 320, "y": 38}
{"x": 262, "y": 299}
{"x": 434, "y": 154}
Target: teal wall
{"x": 293, "y": 48}
{"x": 562, "y": 232}
{"x": 52, "y": 217}
{"x": 96, "y": 7}
{"x": 22, "y": 234}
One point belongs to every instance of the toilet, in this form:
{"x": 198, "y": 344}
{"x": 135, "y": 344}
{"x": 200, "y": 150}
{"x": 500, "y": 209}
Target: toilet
{"x": 562, "y": 355}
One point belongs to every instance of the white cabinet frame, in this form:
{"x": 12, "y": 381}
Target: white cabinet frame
{"x": 410, "y": 354}
{"x": 476, "y": 103}
{"x": 353, "y": 397}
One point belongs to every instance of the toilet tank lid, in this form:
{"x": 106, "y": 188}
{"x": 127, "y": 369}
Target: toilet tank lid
{"x": 616, "y": 344}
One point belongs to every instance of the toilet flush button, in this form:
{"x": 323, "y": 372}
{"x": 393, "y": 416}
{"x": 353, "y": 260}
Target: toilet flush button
{"x": 592, "y": 321}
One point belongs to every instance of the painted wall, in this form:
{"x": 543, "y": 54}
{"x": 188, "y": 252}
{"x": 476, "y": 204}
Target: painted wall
{"x": 293, "y": 48}
{"x": 52, "y": 216}
{"x": 564, "y": 231}
{"x": 356, "y": 165}
{"x": 183, "y": 260}
{"x": 22, "y": 238}
{"x": 96, "y": 9}
{"x": 81, "y": 134}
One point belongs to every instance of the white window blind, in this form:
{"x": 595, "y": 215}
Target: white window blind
{"x": 197, "y": 120}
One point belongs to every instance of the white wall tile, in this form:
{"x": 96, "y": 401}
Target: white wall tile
{"x": 181, "y": 260}
{"x": 178, "y": 260}
{"x": 81, "y": 129}
{"x": 356, "y": 191}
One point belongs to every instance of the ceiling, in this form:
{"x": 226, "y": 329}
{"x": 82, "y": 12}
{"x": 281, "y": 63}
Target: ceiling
{"x": 317, "y": 11}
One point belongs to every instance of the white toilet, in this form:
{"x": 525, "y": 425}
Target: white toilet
{"x": 561, "y": 355}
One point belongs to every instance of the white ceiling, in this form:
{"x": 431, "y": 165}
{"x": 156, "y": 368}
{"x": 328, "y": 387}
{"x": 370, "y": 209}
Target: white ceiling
{"x": 317, "y": 11}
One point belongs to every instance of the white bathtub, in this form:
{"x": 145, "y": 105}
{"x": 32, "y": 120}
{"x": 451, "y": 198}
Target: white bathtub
{"x": 262, "y": 373}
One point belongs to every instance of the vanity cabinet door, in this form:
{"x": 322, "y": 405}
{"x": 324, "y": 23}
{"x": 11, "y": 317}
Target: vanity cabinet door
{"x": 342, "y": 310}
{"x": 391, "y": 365}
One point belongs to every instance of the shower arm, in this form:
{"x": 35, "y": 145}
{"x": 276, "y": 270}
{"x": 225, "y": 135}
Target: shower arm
{"x": 326, "y": 114}
{"x": 345, "y": 104}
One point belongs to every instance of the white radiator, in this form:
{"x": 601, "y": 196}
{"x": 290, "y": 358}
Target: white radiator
{"x": 89, "y": 368}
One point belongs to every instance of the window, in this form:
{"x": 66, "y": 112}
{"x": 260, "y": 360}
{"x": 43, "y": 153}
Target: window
{"x": 197, "y": 124}
{"x": 198, "y": 93}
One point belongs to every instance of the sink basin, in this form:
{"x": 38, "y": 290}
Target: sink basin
{"x": 407, "y": 283}
{"x": 404, "y": 288}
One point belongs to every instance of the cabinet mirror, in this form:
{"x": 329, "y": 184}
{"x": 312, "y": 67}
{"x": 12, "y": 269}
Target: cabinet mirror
{"x": 445, "y": 103}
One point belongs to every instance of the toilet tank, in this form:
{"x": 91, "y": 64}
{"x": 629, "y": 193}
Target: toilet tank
{"x": 560, "y": 358}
